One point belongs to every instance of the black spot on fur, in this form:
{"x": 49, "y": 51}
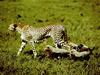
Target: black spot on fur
{"x": 24, "y": 41}
{"x": 58, "y": 45}
{"x": 80, "y": 46}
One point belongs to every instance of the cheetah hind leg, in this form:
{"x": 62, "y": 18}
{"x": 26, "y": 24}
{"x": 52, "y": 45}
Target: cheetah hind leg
{"x": 33, "y": 49}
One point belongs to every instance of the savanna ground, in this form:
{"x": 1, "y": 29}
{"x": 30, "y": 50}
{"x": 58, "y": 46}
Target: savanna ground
{"x": 81, "y": 18}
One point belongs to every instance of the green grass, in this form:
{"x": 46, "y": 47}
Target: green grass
{"x": 81, "y": 19}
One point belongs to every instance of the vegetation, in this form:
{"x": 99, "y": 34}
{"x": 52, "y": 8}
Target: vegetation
{"x": 81, "y": 19}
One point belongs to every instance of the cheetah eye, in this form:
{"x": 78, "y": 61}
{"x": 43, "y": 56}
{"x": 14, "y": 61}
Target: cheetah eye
{"x": 15, "y": 25}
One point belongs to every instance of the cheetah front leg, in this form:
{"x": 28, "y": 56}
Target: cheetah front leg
{"x": 22, "y": 47}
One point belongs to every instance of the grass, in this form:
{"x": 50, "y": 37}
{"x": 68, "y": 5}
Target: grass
{"x": 81, "y": 19}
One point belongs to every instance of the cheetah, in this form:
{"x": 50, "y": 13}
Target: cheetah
{"x": 50, "y": 51}
{"x": 34, "y": 35}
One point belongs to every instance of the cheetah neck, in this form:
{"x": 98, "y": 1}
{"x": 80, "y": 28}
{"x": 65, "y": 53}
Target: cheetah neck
{"x": 19, "y": 28}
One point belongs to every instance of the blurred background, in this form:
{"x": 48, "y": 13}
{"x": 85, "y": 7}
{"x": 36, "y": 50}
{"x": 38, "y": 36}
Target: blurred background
{"x": 81, "y": 18}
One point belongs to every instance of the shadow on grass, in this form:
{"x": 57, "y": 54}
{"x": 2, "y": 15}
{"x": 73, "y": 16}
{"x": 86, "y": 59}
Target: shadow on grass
{"x": 57, "y": 56}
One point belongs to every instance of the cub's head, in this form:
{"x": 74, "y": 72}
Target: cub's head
{"x": 47, "y": 51}
{"x": 82, "y": 47}
{"x": 13, "y": 26}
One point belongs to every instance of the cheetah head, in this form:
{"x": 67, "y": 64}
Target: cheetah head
{"x": 12, "y": 27}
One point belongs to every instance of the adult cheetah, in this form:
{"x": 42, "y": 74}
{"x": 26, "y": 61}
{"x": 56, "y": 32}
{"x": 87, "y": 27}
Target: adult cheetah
{"x": 33, "y": 35}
